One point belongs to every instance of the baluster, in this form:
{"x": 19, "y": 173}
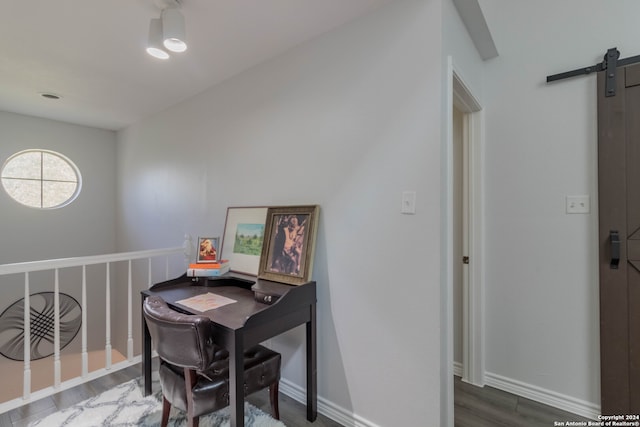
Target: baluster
{"x": 56, "y": 330}
{"x": 107, "y": 347}
{"x": 149, "y": 274}
{"x": 26, "y": 387}
{"x": 85, "y": 354}
{"x": 129, "y": 317}
{"x": 186, "y": 249}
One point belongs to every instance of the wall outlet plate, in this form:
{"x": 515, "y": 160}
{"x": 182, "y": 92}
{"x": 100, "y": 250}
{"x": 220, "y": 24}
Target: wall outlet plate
{"x": 578, "y": 204}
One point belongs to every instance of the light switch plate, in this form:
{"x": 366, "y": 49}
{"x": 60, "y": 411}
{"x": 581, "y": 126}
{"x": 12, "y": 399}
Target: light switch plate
{"x": 408, "y": 202}
{"x": 578, "y": 204}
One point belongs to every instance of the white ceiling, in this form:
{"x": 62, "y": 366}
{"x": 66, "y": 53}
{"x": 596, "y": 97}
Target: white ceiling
{"x": 92, "y": 53}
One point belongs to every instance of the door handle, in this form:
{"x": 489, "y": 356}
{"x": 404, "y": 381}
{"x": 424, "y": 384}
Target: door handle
{"x": 614, "y": 242}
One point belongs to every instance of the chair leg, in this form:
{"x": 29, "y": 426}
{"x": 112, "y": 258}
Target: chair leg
{"x": 273, "y": 396}
{"x": 166, "y": 408}
{"x": 190, "y": 379}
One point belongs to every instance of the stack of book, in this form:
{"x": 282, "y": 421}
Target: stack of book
{"x": 208, "y": 269}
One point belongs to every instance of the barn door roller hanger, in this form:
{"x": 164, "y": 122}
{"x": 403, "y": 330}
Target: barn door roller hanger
{"x": 610, "y": 62}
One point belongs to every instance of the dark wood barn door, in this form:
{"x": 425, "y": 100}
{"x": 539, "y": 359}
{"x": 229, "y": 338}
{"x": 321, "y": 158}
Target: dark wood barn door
{"x": 619, "y": 237}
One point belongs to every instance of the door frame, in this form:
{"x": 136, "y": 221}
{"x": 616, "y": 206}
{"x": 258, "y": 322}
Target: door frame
{"x": 458, "y": 93}
{"x": 473, "y": 287}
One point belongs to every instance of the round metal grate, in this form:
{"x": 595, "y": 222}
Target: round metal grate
{"x": 42, "y": 323}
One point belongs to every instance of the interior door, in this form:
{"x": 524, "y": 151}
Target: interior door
{"x": 619, "y": 237}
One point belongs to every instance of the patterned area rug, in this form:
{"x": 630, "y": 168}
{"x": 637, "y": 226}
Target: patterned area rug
{"x": 124, "y": 406}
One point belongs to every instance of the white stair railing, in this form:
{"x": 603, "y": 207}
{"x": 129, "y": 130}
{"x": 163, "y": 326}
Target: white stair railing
{"x": 129, "y": 312}
{"x": 179, "y": 255}
{"x": 107, "y": 346}
{"x": 27, "y": 338}
{"x": 85, "y": 352}
{"x": 57, "y": 366}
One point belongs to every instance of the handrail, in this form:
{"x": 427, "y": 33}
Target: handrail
{"x": 29, "y": 266}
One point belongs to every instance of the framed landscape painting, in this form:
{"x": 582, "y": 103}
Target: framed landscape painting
{"x": 243, "y": 237}
{"x": 289, "y": 244}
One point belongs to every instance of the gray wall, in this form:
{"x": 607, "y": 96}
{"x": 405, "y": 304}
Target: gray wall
{"x": 347, "y": 121}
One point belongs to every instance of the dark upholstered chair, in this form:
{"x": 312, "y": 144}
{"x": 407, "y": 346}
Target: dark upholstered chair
{"x": 194, "y": 372}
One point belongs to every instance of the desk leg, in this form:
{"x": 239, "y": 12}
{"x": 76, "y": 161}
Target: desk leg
{"x": 312, "y": 369}
{"x": 236, "y": 381}
{"x": 146, "y": 356}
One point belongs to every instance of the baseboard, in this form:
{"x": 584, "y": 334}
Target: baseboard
{"x": 528, "y": 391}
{"x": 328, "y": 409}
{"x": 457, "y": 369}
{"x": 548, "y": 397}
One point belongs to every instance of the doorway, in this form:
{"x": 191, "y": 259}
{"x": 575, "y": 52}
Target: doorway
{"x": 466, "y": 250}
{"x": 460, "y": 248}
{"x": 470, "y": 311}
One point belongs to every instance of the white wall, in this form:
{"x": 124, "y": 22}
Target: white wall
{"x": 347, "y": 121}
{"x": 542, "y": 276}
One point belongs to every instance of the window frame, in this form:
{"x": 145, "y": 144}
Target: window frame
{"x": 42, "y": 180}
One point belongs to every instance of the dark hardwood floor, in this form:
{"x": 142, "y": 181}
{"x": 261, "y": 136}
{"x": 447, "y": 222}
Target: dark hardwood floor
{"x": 490, "y": 407}
{"x": 474, "y": 407}
{"x": 292, "y": 412}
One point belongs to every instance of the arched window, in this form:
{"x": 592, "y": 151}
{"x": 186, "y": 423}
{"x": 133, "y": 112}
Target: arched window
{"x": 41, "y": 179}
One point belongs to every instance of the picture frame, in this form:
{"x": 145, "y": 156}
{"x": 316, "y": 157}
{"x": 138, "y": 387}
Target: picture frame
{"x": 207, "y": 249}
{"x": 243, "y": 238}
{"x": 289, "y": 244}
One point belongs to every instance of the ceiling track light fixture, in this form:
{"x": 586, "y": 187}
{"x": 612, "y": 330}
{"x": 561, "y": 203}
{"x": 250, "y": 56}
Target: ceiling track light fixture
{"x": 173, "y": 30}
{"x": 168, "y": 32}
{"x": 154, "y": 44}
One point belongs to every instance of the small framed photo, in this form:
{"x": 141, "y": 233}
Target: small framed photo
{"x": 289, "y": 245}
{"x": 243, "y": 237}
{"x": 207, "y": 249}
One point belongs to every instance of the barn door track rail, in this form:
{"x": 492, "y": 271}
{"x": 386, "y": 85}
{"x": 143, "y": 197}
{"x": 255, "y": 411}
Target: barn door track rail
{"x": 610, "y": 62}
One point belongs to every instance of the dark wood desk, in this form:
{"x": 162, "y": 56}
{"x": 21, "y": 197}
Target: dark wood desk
{"x": 244, "y": 324}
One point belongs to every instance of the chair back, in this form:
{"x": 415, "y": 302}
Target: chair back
{"x": 180, "y": 339}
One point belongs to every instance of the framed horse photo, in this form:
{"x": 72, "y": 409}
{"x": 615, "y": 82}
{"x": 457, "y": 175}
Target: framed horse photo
{"x": 207, "y": 249}
{"x": 289, "y": 244}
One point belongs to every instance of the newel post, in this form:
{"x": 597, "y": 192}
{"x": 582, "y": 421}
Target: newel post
{"x": 187, "y": 247}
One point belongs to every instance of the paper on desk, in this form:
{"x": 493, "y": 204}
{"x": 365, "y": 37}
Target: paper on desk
{"x": 206, "y": 302}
